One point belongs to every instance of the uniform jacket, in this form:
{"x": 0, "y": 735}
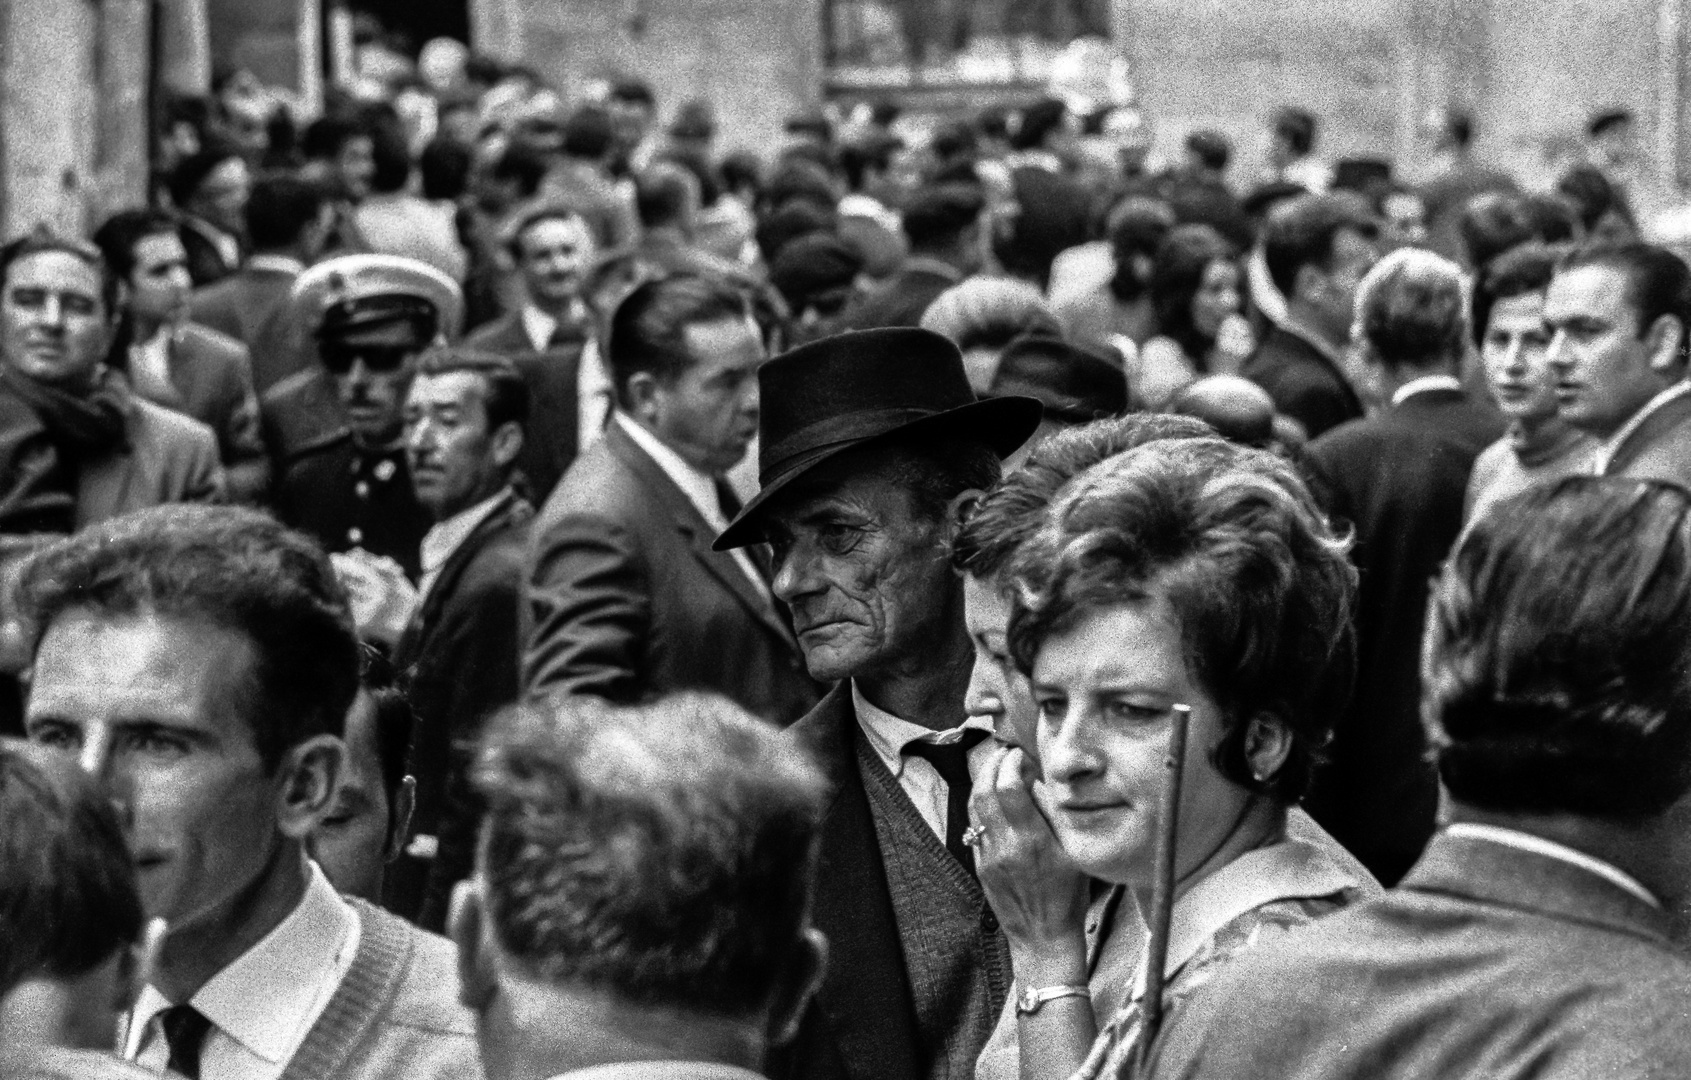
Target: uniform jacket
{"x": 1303, "y": 382}
{"x": 459, "y": 657}
{"x": 862, "y": 1023}
{"x": 1400, "y": 478}
{"x": 552, "y": 435}
{"x": 626, "y": 599}
{"x": 248, "y": 306}
{"x": 1660, "y": 449}
{"x": 1488, "y": 962}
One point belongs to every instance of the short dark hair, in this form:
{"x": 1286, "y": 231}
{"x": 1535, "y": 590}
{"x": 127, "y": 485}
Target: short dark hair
{"x": 505, "y": 394}
{"x": 1136, "y": 228}
{"x": 1592, "y": 195}
{"x": 389, "y": 153}
{"x": 68, "y": 895}
{"x": 660, "y": 194}
{"x": 1412, "y": 310}
{"x": 1036, "y": 122}
{"x": 938, "y": 215}
{"x": 633, "y": 91}
{"x": 1520, "y": 272}
{"x": 444, "y": 166}
{"x": 648, "y": 329}
{"x": 1231, "y": 539}
{"x": 522, "y": 164}
{"x": 327, "y": 135}
{"x": 191, "y": 171}
{"x": 1296, "y": 127}
{"x": 1301, "y": 231}
{"x": 1608, "y": 118}
{"x": 281, "y": 208}
{"x": 118, "y": 235}
{"x": 41, "y": 240}
{"x": 1494, "y": 222}
{"x": 588, "y": 132}
{"x": 1554, "y": 672}
{"x": 1213, "y": 148}
{"x": 234, "y": 568}
{"x": 1459, "y": 125}
{"x": 660, "y": 853}
{"x": 1658, "y": 282}
{"x": 1012, "y": 510}
{"x": 395, "y": 722}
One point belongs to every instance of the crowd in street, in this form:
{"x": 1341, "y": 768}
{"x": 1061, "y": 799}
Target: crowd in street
{"x": 492, "y": 585}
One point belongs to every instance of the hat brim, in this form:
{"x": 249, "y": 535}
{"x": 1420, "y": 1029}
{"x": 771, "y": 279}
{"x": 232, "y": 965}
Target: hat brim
{"x": 1001, "y": 424}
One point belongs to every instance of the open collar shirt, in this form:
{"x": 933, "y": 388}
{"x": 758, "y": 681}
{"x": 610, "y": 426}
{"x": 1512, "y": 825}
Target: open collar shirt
{"x": 888, "y": 735}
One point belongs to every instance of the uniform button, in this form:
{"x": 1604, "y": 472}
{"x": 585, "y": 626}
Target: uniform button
{"x": 361, "y": 489}
{"x": 989, "y": 923}
{"x": 355, "y": 535}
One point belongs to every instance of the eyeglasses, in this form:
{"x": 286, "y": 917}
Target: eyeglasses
{"x": 380, "y": 359}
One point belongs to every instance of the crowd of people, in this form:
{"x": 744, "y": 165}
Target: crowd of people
{"x": 493, "y": 586}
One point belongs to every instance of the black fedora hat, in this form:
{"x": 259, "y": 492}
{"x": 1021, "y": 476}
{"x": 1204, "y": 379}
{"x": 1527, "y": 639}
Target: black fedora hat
{"x": 842, "y": 392}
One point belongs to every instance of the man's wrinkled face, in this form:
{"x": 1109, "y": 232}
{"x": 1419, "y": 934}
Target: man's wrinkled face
{"x": 867, "y": 577}
{"x": 54, "y": 327}
{"x": 159, "y": 285}
{"x": 448, "y": 446}
{"x": 156, "y": 709}
{"x": 555, "y": 254}
{"x": 1600, "y": 354}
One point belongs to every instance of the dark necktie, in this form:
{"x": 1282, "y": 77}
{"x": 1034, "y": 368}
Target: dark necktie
{"x": 185, "y": 1031}
{"x": 726, "y": 499}
{"x": 951, "y": 761}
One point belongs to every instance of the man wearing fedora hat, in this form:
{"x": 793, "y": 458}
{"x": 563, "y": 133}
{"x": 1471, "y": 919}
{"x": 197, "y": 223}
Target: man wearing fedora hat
{"x": 870, "y": 441}
{"x": 336, "y": 430}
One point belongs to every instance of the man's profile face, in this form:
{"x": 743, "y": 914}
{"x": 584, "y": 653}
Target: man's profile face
{"x": 708, "y": 414}
{"x": 155, "y": 709}
{"x": 159, "y": 285}
{"x": 868, "y": 579}
{"x": 54, "y": 327}
{"x": 351, "y": 842}
{"x": 222, "y": 196}
{"x": 1602, "y": 363}
{"x": 447, "y": 443}
{"x": 355, "y": 164}
{"x": 555, "y": 254}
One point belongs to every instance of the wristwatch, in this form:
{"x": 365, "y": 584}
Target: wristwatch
{"x": 1033, "y": 999}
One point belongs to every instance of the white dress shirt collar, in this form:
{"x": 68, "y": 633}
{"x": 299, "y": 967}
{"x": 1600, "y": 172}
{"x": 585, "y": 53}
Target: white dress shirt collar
{"x": 1424, "y": 385}
{"x": 540, "y": 326}
{"x": 1606, "y": 452}
{"x": 1550, "y": 849}
{"x": 446, "y": 537}
{"x": 268, "y": 998}
{"x": 888, "y": 735}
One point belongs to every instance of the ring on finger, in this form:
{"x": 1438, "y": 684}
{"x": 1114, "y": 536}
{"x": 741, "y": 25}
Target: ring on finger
{"x": 972, "y": 835}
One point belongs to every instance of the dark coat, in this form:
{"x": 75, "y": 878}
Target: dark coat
{"x": 212, "y": 379}
{"x": 1303, "y": 382}
{"x": 1399, "y": 478}
{"x": 250, "y": 307}
{"x": 1487, "y": 962}
{"x": 1660, "y": 449}
{"x": 627, "y": 599}
{"x": 862, "y": 1023}
{"x": 459, "y": 658}
{"x": 325, "y": 485}
{"x": 900, "y": 300}
{"x": 205, "y": 263}
{"x": 552, "y": 435}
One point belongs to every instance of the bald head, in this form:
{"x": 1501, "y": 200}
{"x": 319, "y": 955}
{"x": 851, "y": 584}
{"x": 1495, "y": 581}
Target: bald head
{"x": 1238, "y": 409}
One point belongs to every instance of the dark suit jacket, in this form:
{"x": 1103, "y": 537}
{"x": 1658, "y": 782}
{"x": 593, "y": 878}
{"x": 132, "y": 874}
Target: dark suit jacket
{"x": 460, "y": 657}
{"x": 212, "y": 380}
{"x": 249, "y": 306}
{"x": 899, "y": 301}
{"x": 1399, "y": 478}
{"x": 1304, "y": 384}
{"x": 862, "y": 1023}
{"x": 1661, "y": 447}
{"x": 552, "y": 436}
{"x": 1488, "y": 962}
{"x": 627, "y": 599}
{"x": 205, "y": 262}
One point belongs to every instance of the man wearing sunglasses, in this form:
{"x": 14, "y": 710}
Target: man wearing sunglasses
{"x": 336, "y": 430}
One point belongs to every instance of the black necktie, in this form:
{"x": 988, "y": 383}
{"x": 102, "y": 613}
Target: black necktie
{"x": 951, "y": 761}
{"x": 185, "y": 1031}
{"x": 726, "y": 500}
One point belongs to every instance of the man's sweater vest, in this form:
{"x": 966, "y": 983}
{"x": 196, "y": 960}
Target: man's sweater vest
{"x": 954, "y": 954}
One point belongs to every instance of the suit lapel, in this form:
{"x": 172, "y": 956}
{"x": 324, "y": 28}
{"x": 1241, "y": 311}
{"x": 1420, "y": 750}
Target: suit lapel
{"x": 510, "y": 511}
{"x": 1671, "y": 415}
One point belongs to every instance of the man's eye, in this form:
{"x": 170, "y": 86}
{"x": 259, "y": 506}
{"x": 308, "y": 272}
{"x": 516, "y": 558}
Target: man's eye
{"x": 1052, "y": 708}
{"x": 55, "y": 736}
{"x": 838, "y": 539}
{"x": 28, "y": 298}
{"x": 157, "y": 743}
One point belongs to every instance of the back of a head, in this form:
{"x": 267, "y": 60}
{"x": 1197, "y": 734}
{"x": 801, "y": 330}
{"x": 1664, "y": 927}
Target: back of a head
{"x": 660, "y": 854}
{"x": 1036, "y": 123}
{"x": 665, "y": 195}
{"x": 226, "y": 567}
{"x": 1296, "y": 127}
{"x": 1412, "y": 310}
{"x": 648, "y": 328}
{"x": 282, "y": 206}
{"x": 1136, "y": 229}
{"x": 1212, "y": 148}
{"x": 1301, "y": 231}
{"x": 68, "y": 894}
{"x": 192, "y": 171}
{"x": 1494, "y": 222}
{"x": 982, "y": 312}
{"x": 1554, "y": 672}
{"x": 795, "y": 220}
{"x": 938, "y": 216}
{"x": 588, "y": 133}
{"x": 1590, "y": 192}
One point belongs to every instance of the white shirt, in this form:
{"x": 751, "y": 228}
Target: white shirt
{"x": 1606, "y": 452}
{"x": 1550, "y": 849}
{"x": 149, "y": 361}
{"x": 263, "y": 1004}
{"x": 699, "y": 489}
{"x": 888, "y": 735}
{"x": 1423, "y": 385}
{"x": 595, "y": 393}
{"x": 445, "y": 537}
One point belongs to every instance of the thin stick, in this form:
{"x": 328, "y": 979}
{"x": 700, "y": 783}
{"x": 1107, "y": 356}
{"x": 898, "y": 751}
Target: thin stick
{"x": 1162, "y": 889}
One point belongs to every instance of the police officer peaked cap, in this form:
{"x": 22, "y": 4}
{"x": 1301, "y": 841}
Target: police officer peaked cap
{"x": 353, "y": 294}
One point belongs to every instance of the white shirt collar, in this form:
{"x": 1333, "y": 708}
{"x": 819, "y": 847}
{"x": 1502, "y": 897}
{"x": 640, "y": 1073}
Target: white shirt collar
{"x": 282, "y": 264}
{"x": 1550, "y": 849}
{"x": 539, "y": 326}
{"x": 888, "y": 735}
{"x": 269, "y": 996}
{"x": 1606, "y": 452}
{"x": 446, "y": 537}
{"x": 1425, "y": 384}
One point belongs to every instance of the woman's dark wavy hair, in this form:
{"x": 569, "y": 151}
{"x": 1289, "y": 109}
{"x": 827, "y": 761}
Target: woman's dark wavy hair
{"x": 1557, "y": 666}
{"x": 1231, "y": 540}
{"x": 1182, "y": 260}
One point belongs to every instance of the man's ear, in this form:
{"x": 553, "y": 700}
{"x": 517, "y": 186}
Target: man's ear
{"x": 1665, "y": 341}
{"x": 477, "y": 981}
{"x": 957, "y": 511}
{"x": 798, "y": 984}
{"x": 507, "y": 443}
{"x": 311, "y": 775}
{"x": 404, "y": 806}
{"x": 642, "y": 395}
